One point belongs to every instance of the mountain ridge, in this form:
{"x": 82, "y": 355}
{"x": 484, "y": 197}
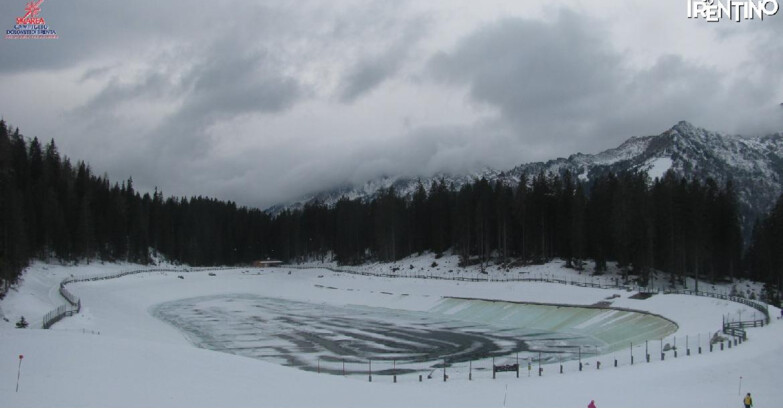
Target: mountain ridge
{"x": 754, "y": 164}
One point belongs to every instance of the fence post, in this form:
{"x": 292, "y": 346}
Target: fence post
{"x": 444, "y": 371}
{"x": 540, "y": 370}
{"x": 19, "y": 372}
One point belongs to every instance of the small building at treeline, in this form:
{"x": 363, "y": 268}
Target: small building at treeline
{"x": 269, "y": 263}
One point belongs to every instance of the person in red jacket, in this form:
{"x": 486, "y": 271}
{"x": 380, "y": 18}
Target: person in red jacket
{"x": 592, "y": 404}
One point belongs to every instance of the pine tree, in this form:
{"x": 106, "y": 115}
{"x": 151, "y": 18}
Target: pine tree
{"x": 419, "y": 221}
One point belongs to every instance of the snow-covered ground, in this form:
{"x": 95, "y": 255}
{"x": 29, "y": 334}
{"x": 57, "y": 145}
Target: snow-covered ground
{"x": 116, "y": 353}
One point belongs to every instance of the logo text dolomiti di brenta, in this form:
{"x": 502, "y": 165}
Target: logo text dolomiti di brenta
{"x": 736, "y": 10}
{"x": 31, "y": 25}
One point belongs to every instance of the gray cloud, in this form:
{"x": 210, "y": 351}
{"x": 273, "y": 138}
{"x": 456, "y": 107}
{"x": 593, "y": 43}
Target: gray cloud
{"x": 528, "y": 67}
{"x": 373, "y": 70}
{"x": 561, "y": 85}
{"x": 226, "y": 85}
{"x": 368, "y": 74}
{"x": 257, "y": 65}
{"x": 261, "y": 103}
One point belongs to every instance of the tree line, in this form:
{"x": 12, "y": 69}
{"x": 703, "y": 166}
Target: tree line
{"x": 53, "y": 209}
{"x": 672, "y": 224}
{"x": 764, "y": 257}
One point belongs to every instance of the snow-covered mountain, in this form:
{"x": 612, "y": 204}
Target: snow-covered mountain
{"x": 755, "y": 164}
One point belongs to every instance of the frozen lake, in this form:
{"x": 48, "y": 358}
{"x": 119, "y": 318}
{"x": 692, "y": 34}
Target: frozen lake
{"x": 342, "y": 339}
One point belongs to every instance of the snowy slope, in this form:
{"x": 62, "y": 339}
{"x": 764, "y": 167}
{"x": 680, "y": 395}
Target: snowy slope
{"x": 139, "y": 361}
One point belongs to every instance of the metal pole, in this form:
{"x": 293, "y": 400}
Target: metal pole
{"x": 19, "y": 372}
{"x": 370, "y": 369}
{"x": 444, "y": 370}
{"x": 539, "y": 364}
{"x": 675, "y": 346}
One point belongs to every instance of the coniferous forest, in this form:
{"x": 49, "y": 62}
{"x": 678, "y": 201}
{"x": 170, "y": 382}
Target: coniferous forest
{"x": 53, "y": 209}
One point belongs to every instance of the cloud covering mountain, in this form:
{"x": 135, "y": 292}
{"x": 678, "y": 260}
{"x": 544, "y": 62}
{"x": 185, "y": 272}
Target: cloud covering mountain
{"x": 267, "y": 102}
{"x": 753, "y": 164}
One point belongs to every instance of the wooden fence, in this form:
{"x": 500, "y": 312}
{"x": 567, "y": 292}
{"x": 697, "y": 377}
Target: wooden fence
{"x": 74, "y": 304}
{"x": 758, "y": 305}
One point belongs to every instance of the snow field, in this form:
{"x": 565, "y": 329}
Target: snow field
{"x": 140, "y": 361}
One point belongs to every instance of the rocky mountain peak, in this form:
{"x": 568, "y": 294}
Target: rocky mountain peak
{"x": 754, "y": 164}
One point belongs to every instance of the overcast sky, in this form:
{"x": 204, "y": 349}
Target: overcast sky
{"x": 266, "y": 101}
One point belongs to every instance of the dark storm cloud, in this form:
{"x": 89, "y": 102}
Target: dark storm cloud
{"x": 206, "y": 74}
{"x": 225, "y": 82}
{"x": 222, "y": 89}
{"x": 152, "y": 86}
{"x": 766, "y": 64}
{"x": 371, "y": 71}
{"x": 368, "y": 74}
{"x": 261, "y": 103}
{"x": 563, "y": 87}
{"x": 527, "y": 67}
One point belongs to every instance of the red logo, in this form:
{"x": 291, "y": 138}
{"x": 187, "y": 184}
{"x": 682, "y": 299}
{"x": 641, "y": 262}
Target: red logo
{"x": 31, "y": 25}
{"x": 31, "y": 16}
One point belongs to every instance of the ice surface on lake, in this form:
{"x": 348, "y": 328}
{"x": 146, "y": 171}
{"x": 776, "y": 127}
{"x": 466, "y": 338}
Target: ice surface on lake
{"x": 327, "y": 338}
{"x": 611, "y": 328}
